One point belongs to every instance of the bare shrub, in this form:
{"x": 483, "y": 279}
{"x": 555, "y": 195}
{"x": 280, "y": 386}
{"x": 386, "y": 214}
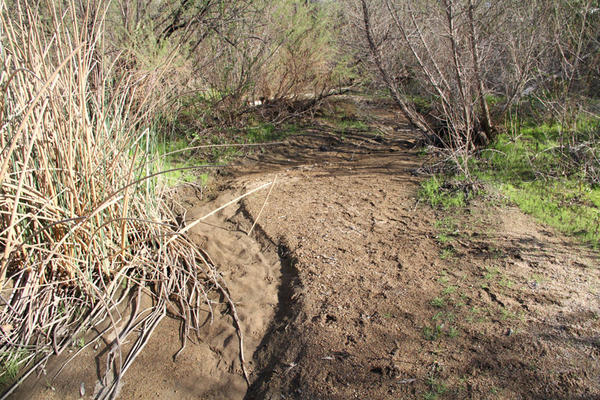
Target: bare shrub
{"x": 455, "y": 54}
{"x": 241, "y": 53}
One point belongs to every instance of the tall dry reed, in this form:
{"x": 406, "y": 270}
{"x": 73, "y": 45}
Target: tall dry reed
{"x": 83, "y": 229}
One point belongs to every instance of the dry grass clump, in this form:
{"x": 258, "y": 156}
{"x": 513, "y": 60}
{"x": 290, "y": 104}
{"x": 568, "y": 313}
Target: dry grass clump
{"x": 83, "y": 229}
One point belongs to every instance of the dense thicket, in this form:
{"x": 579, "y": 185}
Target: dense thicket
{"x": 225, "y": 56}
{"x": 470, "y": 62}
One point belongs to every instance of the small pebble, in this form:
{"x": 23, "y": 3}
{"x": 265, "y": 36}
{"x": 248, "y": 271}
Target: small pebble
{"x": 82, "y": 389}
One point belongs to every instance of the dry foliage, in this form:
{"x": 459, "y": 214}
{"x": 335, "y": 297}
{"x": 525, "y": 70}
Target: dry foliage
{"x": 83, "y": 229}
{"x": 456, "y": 54}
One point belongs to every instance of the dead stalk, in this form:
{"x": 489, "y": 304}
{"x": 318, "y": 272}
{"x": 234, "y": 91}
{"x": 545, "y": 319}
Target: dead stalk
{"x": 84, "y": 225}
{"x": 263, "y": 206}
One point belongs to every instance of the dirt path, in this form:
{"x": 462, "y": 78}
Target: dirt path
{"x": 350, "y": 288}
{"x": 391, "y": 299}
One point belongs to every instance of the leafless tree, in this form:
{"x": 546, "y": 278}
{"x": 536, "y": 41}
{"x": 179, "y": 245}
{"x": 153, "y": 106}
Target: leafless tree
{"x": 458, "y": 53}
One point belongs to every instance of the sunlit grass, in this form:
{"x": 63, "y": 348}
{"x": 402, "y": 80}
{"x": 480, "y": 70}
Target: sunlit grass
{"x": 532, "y": 172}
{"x": 434, "y": 192}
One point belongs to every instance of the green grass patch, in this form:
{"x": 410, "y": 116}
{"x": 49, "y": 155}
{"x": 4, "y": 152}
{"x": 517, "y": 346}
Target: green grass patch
{"x": 506, "y": 283}
{"x": 266, "y": 132}
{"x": 447, "y": 253}
{"x": 449, "y": 290}
{"x": 443, "y": 279}
{"x": 10, "y": 366}
{"x": 181, "y": 152}
{"x": 534, "y": 172}
{"x": 453, "y": 332}
{"x": 539, "y": 279}
{"x": 560, "y": 204}
{"x": 436, "y": 388}
{"x": 172, "y": 155}
{"x": 443, "y": 238}
{"x": 491, "y": 273}
{"x": 506, "y": 314}
{"x": 438, "y": 302}
{"x": 352, "y": 124}
{"x": 346, "y": 124}
{"x": 436, "y": 192}
{"x": 432, "y": 333}
{"x": 8, "y": 373}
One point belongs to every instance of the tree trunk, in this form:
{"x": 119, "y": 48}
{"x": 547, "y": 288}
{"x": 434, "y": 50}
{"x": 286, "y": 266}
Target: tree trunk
{"x": 486, "y": 121}
{"x": 410, "y": 114}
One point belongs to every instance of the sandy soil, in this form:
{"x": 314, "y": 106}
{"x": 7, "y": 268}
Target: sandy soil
{"x": 394, "y": 300}
{"x": 351, "y": 288}
{"x": 209, "y": 366}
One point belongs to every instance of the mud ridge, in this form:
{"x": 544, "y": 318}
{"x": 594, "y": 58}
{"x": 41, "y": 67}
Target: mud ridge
{"x": 261, "y": 278}
{"x": 274, "y": 347}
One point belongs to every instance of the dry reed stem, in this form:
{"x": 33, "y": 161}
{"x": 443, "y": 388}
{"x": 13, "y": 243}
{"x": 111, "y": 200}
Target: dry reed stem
{"x": 83, "y": 225}
{"x": 263, "y": 206}
{"x": 197, "y": 221}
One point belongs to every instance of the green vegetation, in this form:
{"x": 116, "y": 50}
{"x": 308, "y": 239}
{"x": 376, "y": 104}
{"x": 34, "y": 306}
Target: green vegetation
{"x": 344, "y": 118}
{"x": 475, "y": 315}
{"x": 10, "y": 365}
{"x": 548, "y": 178}
{"x": 439, "y": 194}
{"x": 447, "y": 253}
{"x": 453, "y": 332}
{"x": 171, "y": 155}
{"x": 449, "y": 290}
{"x": 443, "y": 279}
{"x": 444, "y": 318}
{"x": 349, "y": 125}
{"x": 555, "y": 182}
{"x": 438, "y": 302}
{"x": 447, "y": 228}
{"x": 491, "y": 273}
{"x": 8, "y": 373}
{"x": 507, "y": 314}
{"x": 432, "y": 333}
{"x": 214, "y": 149}
{"x": 443, "y": 324}
{"x": 436, "y": 388}
{"x": 447, "y": 232}
{"x": 268, "y": 132}
{"x": 506, "y": 283}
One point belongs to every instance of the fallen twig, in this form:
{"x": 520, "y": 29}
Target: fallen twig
{"x": 239, "y": 331}
{"x": 263, "y": 206}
